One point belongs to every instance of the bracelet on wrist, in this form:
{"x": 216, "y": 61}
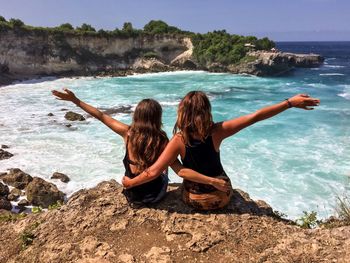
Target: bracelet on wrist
{"x": 289, "y": 103}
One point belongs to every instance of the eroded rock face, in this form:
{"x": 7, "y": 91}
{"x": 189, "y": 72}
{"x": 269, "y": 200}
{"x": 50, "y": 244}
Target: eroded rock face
{"x": 60, "y": 176}
{"x": 5, "y": 154}
{"x": 17, "y": 178}
{"x": 73, "y": 116}
{"x": 42, "y": 193}
{"x": 98, "y": 225}
{"x": 265, "y": 63}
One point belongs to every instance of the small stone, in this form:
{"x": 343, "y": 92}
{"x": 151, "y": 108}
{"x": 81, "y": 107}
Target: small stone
{"x": 5, "y": 204}
{"x": 4, "y": 189}
{"x": 4, "y": 146}
{"x": 50, "y": 114}
{"x": 64, "y": 178}
{"x": 16, "y": 192}
{"x": 73, "y": 116}
{"x": 159, "y": 255}
{"x": 119, "y": 225}
{"x": 126, "y": 258}
{"x": 5, "y": 155}
{"x": 12, "y": 197}
{"x": 63, "y": 109}
{"x": 23, "y": 202}
{"x": 68, "y": 125}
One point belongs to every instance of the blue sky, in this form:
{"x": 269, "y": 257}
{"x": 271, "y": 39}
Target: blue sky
{"x": 278, "y": 19}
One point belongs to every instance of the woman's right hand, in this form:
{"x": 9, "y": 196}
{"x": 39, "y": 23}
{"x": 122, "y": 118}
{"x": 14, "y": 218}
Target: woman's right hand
{"x": 67, "y": 95}
{"x": 304, "y": 101}
{"x": 221, "y": 184}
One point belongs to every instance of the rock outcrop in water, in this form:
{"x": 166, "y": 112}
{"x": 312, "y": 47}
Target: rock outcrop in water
{"x": 29, "y": 54}
{"x": 97, "y": 225}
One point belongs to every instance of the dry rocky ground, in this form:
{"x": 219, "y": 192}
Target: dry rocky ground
{"x": 98, "y": 225}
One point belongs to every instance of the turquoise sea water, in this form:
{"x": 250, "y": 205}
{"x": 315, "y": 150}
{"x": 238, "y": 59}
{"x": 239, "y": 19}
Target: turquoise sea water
{"x": 296, "y": 161}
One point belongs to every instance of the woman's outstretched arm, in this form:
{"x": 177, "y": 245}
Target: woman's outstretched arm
{"x": 113, "y": 124}
{"x": 228, "y": 128}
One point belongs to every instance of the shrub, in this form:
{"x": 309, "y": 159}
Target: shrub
{"x": 160, "y": 27}
{"x": 16, "y": 22}
{"x": 65, "y": 27}
{"x": 308, "y": 220}
{"x": 2, "y": 19}
{"x": 86, "y": 28}
{"x": 343, "y": 209}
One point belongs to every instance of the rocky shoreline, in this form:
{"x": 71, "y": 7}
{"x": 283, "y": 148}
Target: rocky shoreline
{"x": 98, "y": 225}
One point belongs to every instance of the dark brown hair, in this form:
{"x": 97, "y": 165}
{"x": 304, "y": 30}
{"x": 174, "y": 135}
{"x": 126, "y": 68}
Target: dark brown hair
{"x": 194, "y": 117}
{"x": 146, "y": 137}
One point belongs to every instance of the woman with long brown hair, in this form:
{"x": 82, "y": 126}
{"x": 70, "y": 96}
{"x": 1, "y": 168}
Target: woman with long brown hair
{"x": 197, "y": 140}
{"x": 144, "y": 142}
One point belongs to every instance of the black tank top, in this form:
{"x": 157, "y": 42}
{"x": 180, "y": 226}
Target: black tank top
{"x": 144, "y": 191}
{"x": 203, "y": 158}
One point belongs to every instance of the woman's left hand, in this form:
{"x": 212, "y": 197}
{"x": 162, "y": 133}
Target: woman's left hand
{"x": 126, "y": 181}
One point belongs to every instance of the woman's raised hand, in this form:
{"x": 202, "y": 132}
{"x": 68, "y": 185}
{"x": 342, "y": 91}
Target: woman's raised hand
{"x": 304, "y": 101}
{"x": 67, "y": 95}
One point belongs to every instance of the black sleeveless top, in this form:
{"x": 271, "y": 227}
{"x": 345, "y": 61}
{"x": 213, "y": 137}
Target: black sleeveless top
{"x": 146, "y": 191}
{"x": 203, "y": 158}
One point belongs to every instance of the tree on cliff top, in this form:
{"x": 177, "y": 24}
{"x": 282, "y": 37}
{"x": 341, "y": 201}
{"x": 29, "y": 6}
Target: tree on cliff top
{"x": 65, "y": 27}
{"x": 16, "y": 22}
{"x": 127, "y": 27}
{"x": 86, "y": 28}
{"x": 2, "y": 19}
{"x": 159, "y": 27}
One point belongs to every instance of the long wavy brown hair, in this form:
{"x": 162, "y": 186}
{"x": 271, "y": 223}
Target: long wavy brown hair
{"x": 194, "y": 119}
{"x": 146, "y": 137}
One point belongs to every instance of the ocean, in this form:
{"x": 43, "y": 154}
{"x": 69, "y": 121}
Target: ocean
{"x": 297, "y": 161}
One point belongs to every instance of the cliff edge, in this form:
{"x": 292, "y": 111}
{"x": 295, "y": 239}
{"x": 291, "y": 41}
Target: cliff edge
{"x": 97, "y": 225}
{"x": 26, "y": 54}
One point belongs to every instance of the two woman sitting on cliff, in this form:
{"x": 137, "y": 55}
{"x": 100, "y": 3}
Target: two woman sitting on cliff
{"x": 196, "y": 139}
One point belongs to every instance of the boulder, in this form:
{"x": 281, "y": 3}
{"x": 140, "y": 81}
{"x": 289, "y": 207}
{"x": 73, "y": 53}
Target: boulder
{"x": 5, "y": 204}
{"x": 64, "y": 178}
{"x": 5, "y": 154}
{"x": 4, "y": 190}
{"x": 17, "y": 178}
{"x": 42, "y": 193}
{"x": 50, "y": 114}
{"x": 73, "y": 116}
{"x": 4, "y": 146}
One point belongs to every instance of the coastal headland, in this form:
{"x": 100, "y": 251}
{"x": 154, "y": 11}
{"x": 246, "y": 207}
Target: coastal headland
{"x": 28, "y": 52}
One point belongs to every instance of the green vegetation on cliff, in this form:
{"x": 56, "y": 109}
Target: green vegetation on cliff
{"x": 212, "y": 47}
{"x": 222, "y": 47}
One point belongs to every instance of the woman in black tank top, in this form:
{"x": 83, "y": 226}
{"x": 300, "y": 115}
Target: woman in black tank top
{"x": 144, "y": 140}
{"x": 197, "y": 140}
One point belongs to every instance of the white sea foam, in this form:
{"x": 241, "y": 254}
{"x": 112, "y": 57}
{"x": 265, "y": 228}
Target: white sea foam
{"x": 344, "y": 95}
{"x": 332, "y": 74}
{"x": 333, "y": 66}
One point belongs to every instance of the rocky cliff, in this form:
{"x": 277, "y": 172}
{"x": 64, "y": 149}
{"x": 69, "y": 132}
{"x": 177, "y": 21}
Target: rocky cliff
{"x": 28, "y": 54}
{"x": 97, "y": 225}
